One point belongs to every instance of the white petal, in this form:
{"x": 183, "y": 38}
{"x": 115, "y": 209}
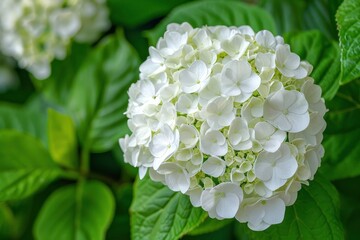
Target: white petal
{"x": 214, "y": 166}
{"x": 298, "y": 122}
{"x": 275, "y": 211}
{"x": 228, "y": 206}
{"x": 207, "y": 200}
{"x": 142, "y": 172}
{"x": 265, "y": 39}
{"x": 274, "y": 183}
{"x": 195, "y": 196}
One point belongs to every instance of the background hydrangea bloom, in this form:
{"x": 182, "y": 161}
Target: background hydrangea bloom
{"x": 35, "y": 32}
{"x": 232, "y": 119}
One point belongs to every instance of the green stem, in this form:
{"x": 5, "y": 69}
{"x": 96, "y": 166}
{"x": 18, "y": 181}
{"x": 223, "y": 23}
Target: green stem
{"x": 102, "y": 178}
{"x": 84, "y": 164}
{"x": 71, "y": 174}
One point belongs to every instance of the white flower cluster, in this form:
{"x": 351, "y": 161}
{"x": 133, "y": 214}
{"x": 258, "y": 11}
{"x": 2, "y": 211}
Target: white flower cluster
{"x": 35, "y": 32}
{"x": 229, "y": 117}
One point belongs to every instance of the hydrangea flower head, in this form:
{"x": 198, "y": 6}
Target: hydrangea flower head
{"x": 34, "y": 32}
{"x": 229, "y": 117}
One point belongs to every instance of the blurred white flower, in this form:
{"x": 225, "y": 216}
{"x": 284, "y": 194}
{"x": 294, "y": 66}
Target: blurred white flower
{"x": 229, "y": 117}
{"x": 39, "y": 31}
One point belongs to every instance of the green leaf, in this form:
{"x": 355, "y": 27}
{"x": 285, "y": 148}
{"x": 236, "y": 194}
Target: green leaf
{"x": 133, "y": 13}
{"x": 319, "y": 14}
{"x": 86, "y": 211}
{"x": 98, "y": 99}
{"x": 231, "y": 13}
{"x": 301, "y": 15}
{"x": 25, "y": 165}
{"x": 7, "y": 222}
{"x": 23, "y": 119}
{"x": 342, "y": 153}
{"x": 342, "y": 150}
{"x": 350, "y": 208}
{"x": 159, "y": 213}
{"x": 210, "y": 225}
{"x": 315, "y": 215}
{"x": 288, "y": 14}
{"x": 323, "y": 54}
{"x": 62, "y": 139}
{"x": 344, "y": 110}
{"x": 348, "y": 20}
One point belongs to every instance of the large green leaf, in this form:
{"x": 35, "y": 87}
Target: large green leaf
{"x": 350, "y": 208}
{"x": 23, "y": 119}
{"x": 132, "y": 13}
{"x": 344, "y": 110}
{"x": 288, "y": 14}
{"x": 62, "y": 139}
{"x": 159, "y": 213}
{"x": 231, "y": 13}
{"x": 315, "y": 215}
{"x": 348, "y": 20}
{"x": 323, "y": 54}
{"x": 25, "y": 165}
{"x": 342, "y": 150}
{"x": 76, "y": 212}
{"x": 300, "y": 15}
{"x": 210, "y": 225}
{"x": 319, "y": 14}
{"x": 98, "y": 99}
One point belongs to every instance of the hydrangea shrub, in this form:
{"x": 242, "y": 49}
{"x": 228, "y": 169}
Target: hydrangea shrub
{"x": 229, "y": 117}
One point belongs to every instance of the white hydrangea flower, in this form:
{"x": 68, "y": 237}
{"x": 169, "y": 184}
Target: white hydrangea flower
{"x": 262, "y": 214}
{"x": 36, "y": 32}
{"x": 230, "y": 118}
{"x": 274, "y": 169}
{"x": 287, "y": 110}
{"x": 222, "y": 201}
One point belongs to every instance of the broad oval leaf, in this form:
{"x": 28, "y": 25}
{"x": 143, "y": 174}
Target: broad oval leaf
{"x": 230, "y": 13}
{"x": 25, "y": 165}
{"x": 159, "y": 213}
{"x": 62, "y": 139}
{"x": 315, "y": 215}
{"x": 348, "y": 20}
{"x": 85, "y": 212}
{"x": 98, "y": 99}
{"x": 323, "y": 54}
